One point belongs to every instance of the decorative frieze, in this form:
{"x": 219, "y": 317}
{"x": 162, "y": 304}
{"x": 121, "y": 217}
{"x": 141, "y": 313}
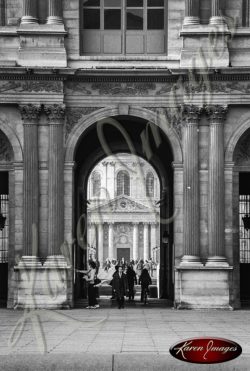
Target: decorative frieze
{"x": 31, "y": 86}
{"x": 124, "y": 88}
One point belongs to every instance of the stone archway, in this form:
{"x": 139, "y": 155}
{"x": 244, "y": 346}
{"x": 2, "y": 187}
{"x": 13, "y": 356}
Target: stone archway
{"x": 173, "y": 152}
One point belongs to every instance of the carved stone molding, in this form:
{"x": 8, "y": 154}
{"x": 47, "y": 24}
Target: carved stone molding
{"x": 73, "y": 115}
{"x": 29, "y": 112}
{"x": 216, "y": 114}
{"x": 55, "y": 112}
{"x": 6, "y": 153}
{"x": 191, "y": 114}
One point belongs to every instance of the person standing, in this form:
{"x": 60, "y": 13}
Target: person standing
{"x": 131, "y": 278}
{"x": 90, "y": 278}
{"x": 145, "y": 281}
{"x": 120, "y": 286}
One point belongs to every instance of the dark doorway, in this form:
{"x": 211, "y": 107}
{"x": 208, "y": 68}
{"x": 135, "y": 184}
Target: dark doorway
{"x": 4, "y": 237}
{"x": 94, "y": 146}
{"x": 244, "y": 237}
{"x": 123, "y": 253}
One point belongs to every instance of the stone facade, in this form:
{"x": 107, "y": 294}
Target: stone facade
{"x": 186, "y": 112}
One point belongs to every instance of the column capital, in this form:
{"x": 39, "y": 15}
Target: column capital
{"x": 216, "y": 114}
{"x": 191, "y": 114}
{"x": 55, "y": 112}
{"x": 29, "y": 112}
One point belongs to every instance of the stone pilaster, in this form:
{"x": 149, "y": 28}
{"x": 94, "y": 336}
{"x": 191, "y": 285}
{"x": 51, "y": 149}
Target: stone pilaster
{"x": 191, "y": 9}
{"x": 111, "y": 254}
{"x": 30, "y": 115}
{"x": 191, "y": 218}
{"x": 216, "y": 187}
{"x": 216, "y": 18}
{"x": 56, "y": 115}
{"x": 55, "y": 12}
{"x": 29, "y": 12}
{"x": 145, "y": 241}
{"x": 2, "y": 12}
{"x": 135, "y": 241}
{"x": 100, "y": 244}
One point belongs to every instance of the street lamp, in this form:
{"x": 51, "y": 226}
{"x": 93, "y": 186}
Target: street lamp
{"x": 165, "y": 241}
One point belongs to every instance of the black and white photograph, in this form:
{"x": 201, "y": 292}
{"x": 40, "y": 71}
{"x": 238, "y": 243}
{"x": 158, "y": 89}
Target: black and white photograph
{"x": 124, "y": 185}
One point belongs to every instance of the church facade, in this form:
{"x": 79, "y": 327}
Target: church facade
{"x": 167, "y": 81}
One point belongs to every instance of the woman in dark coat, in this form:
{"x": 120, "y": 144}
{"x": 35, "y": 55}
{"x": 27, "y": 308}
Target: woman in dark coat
{"x": 120, "y": 286}
{"x": 131, "y": 278}
{"x": 145, "y": 281}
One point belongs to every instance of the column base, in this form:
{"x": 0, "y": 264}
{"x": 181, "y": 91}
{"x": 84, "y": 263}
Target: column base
{"x": 54, "y": 20}
{"x": 191, "y": 21}
{"x": 217, "y": 261}
{"x": 191, "y": 260}
{"x": 217, "y": 20}
{"x": 47, "y": 286}
{"x": 27, "y": 19}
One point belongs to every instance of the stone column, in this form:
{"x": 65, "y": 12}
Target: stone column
{"x": 2, "y": 12}
{"x": 55, "y": 12}
{"x": 56, "y": 115}
{"x": 216, "y": 18}
{"x": 30, "y": 115}
{"x": 191, "y": 218}
{"x": 191, "y": 11}
{"x": 216, "y": 187}
{"x": 153, "y": 238}
{"x": 145, "y": 242}
{"x": 135, "y": 241}
{"x": 111, "y": 241}
{"x": 100, "y": 244}
{"x": 29, "y": 12}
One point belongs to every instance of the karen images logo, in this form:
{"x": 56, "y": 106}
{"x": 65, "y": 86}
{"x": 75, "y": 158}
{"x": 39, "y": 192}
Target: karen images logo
{"x": 206, "y": 350}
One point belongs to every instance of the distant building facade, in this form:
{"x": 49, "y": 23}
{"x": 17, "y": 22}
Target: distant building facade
{"x": 168, "y": 81}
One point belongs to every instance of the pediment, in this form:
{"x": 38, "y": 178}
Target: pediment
{"x": 120, "y": 204}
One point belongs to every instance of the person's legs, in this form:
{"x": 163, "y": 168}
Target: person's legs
{"x": 91, "y": 295}
{"x": 122, "y": 302}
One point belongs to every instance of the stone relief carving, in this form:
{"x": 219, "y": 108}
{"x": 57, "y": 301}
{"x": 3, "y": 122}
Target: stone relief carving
{"x": 120, "y": 204}
{"x": 124, "y": 88}
{"x": 216, "y": 113}
{"x": 73, "y": 115}
{"x": 29, "y": 112}
{"x": 31, "y": 86}
{"x": 6, "y": 153}
{"x": 79, "y": 87}
{"x": 242, "y": 151}
{"x": 55, "y": 112}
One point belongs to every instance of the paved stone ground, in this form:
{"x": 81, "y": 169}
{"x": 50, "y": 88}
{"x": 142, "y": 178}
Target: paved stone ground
{"x": 111, "y": 339}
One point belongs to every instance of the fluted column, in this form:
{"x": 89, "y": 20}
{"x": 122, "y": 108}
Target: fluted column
{"x": 100, "y": 244}
{"x": 56, "y": 114}
{"x": 111, "y": 241}
{"x": 30, "y": 115}
{"x": 216, "y": 18}
{"x": 55, "y": 12}
{"x": 191, "y": 218}
{"x": 135, "y": 241}
{"x": 145, "y": 242}
{"x": 29, "y": 12}
{"x": 216, "y": 187}
{"x": 153, "y": 238}
{"x": 191, "y": 11}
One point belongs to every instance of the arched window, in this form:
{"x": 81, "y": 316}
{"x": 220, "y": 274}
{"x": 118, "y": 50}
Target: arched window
{"x": 150, "y": 185}
{"x": 96, "y": 184}
{"x": 123, "y": 183}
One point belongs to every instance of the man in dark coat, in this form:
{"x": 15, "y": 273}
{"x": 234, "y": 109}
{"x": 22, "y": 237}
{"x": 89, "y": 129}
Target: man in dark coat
{"x": 120, "y": 286}
{"x": 131, "y": 278}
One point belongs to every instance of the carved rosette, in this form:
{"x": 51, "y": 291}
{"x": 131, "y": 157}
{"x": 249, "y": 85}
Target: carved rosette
{"x": 191, "y": 114}
{"x": 216, "y": 114}
{"x": 29, "y": 112}
{"x": 55, "y": 112}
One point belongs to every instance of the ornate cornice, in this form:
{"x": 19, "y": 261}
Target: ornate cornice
{"x": 55, "y": 112}
{"x": 216, "y": 113}
{"x": 29, "y": 112}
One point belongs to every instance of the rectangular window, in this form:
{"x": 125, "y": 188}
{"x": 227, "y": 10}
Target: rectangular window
{"x": 123, "y": 27}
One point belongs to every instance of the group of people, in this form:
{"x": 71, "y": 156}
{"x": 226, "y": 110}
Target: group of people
{"x": 122, "y": 281}
{"x": 137, "y": 265}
